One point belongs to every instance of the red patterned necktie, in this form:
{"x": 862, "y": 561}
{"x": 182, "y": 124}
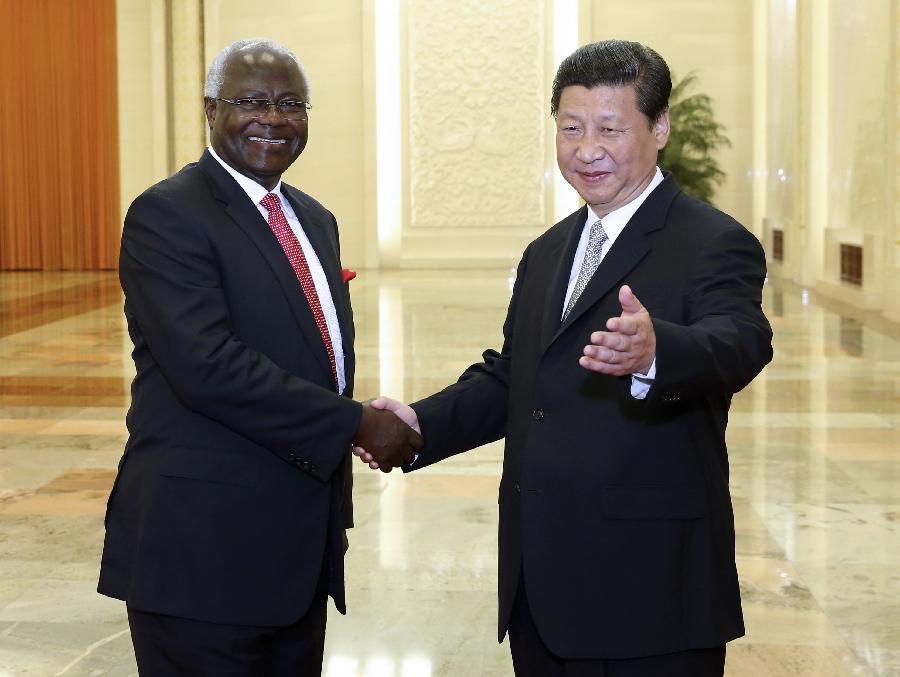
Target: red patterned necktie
{"x": 291, "y": 246}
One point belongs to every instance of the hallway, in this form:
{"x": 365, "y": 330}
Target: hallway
{"x": 815, "y": 479}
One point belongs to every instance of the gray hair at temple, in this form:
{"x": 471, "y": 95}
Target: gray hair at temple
{"x": 616, "y": 63}
{"x": 216, "y": 74}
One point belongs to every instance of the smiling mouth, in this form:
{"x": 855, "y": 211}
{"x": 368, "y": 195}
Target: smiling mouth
{"x": 271, "y": 142}
{"x": 593, "y": 176}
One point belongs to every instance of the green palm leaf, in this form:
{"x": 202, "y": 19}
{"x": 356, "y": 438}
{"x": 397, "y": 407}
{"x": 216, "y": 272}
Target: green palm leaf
{"x": 693, "y": 141}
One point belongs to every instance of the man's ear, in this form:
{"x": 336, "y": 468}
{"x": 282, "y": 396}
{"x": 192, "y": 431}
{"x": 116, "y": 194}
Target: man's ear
{"x": 661, "y": 129}
{"x": 209, "y": 105}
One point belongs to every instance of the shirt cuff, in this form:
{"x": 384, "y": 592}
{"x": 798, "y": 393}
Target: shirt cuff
{"x": 641, "y": 383}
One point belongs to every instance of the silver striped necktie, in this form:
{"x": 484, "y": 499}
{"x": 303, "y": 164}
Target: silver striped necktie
{"x": 591, "y": 260}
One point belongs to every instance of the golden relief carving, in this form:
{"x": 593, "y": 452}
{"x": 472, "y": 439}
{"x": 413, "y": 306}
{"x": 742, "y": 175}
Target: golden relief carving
{"x": 477, "y": 113}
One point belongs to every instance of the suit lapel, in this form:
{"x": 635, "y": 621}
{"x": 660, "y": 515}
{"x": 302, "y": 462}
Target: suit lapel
{"x": 246, "y": 216}
{"x": 559, "y": 257}
{"x": 632, "y": 245}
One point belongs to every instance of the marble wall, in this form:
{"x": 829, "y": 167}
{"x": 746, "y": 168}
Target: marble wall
{"x": 143, "y": 97}
{"x": 164, "y": 50}
{"x": 327, "y": 37}
{"x": 831, "y": 125}
{"x": 161, "y": 63}
{"x": 474, "y": 130}
{"x": 860, "y": 114}
{"x": 892, "y": 244}
{"x": 807, "y": 90}
{"x": 782, "y": 171}
{"x": 858, "y": 124}
{"x": 714, "y": 39}
{"x": 187, "y": 73}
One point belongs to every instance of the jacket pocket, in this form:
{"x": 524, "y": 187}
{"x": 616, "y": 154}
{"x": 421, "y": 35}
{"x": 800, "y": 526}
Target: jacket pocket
{"x": 651, "y": 502}
{"x": 209, "y": 465}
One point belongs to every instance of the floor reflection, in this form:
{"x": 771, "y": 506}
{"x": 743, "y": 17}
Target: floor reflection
{"x": 342, "y": 666}
{"x": 815, "y": 475}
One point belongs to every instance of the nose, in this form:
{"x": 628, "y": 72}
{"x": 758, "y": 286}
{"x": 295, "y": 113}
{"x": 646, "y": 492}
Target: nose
{"x": 590, "y": 148}
{"x": 271, "y": 116}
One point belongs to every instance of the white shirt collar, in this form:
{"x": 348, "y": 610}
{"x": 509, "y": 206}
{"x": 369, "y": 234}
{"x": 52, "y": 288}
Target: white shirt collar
{"x": 614, "y": 222}
{"x": 255, "y": 191}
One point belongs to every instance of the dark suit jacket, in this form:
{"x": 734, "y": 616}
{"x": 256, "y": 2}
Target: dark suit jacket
{"x": 618, "y": 509}
{"x": 235, "y": 481}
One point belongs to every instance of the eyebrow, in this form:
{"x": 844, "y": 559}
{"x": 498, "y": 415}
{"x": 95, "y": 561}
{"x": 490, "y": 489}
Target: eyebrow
{"x": 606, "y": 117}
{"x": 256, "y": 94}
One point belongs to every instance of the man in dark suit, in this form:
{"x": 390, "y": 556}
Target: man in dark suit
{"x": 225, "y": 530}
{"x": 632, "y": 323}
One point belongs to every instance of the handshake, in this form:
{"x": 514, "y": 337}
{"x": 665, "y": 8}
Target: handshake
{"x": 388, "y": 434}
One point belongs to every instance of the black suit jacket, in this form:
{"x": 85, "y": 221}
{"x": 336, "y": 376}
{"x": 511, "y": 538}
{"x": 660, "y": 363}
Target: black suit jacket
{"x": 618, "y": 509}
{"x": 234, "y": 486}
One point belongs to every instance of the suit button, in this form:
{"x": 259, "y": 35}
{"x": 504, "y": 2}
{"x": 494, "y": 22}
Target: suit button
{"x": 517, "y": 489}
{"x": 538, "y": 414}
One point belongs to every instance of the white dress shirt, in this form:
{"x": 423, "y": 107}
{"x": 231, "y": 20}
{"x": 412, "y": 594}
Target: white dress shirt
{"x": 256, "y": 193}
{"x": 613, "y": 224}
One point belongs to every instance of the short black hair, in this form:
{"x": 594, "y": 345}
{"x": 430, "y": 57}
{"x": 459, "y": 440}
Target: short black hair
{"x": 617, "y": 63}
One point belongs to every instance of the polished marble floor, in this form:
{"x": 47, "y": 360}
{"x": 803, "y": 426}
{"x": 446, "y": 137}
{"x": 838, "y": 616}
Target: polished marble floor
{"x": 815, "y": 457}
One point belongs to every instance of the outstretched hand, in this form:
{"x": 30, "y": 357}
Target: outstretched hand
{"x": 629, "y": 345}
{"x": 386, "y": 438}
{"x": 403, "y": 412}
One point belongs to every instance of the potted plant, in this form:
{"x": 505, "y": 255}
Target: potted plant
{"x": 694, "y": 140}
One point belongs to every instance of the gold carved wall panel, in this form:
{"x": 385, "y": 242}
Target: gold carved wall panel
{"x": 477, "y": 114}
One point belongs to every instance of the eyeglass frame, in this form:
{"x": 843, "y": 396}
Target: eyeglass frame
{"x": 269, "y": 104}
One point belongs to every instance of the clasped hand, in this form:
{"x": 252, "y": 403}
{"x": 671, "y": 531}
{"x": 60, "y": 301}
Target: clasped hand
{"x": 405, "y": 416}
{"x": 385, "y": 438}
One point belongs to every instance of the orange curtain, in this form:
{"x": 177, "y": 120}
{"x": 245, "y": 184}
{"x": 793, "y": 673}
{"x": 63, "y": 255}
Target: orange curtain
{"x": 59, "y": 165}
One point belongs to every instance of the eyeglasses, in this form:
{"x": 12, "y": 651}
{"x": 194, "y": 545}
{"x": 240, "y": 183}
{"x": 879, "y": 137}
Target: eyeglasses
{"x": 257, "y": 108}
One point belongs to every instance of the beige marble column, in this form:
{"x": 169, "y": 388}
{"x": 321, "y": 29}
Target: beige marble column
{"x": 855, "y": 120}
{"x": 812, "y": 188}
{"x": 143, "y": 97}
{"x": 187, "y": 72}
{"x": 760, "y": 107}
{"x": 892, "y": 247}
{"x": 784, "y": 179}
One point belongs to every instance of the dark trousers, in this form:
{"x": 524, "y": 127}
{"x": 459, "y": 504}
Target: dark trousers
{"x": 166, "y": 646}
{"x": 531, "y": 658}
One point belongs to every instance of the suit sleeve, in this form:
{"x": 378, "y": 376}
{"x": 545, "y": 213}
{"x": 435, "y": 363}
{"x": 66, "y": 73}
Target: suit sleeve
{"x": 174, "y": 295}
{"x": 472, "y": 411}
{"x": 726, "y": 340}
